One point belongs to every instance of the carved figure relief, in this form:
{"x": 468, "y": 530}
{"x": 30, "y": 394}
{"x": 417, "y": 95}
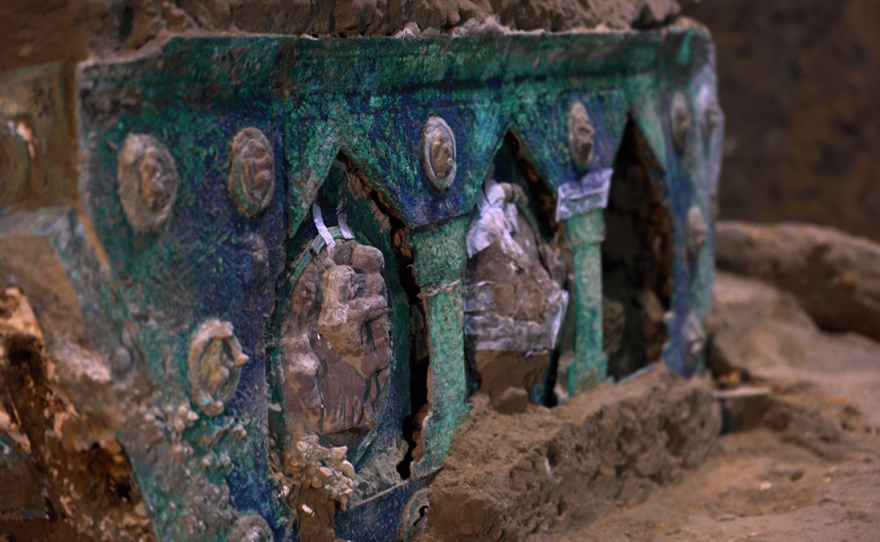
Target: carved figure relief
{"x": 513, "y": 297}
{"x": 337, "y": 350}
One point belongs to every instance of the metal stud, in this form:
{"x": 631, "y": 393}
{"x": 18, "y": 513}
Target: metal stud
{"x": 147, "y": 181}
{"x": 214, "y": 365}
{"x": 251, "y": 178}
{"x": 438, "y": 153}
{"x": 580, "y": 136}
{"x": 14, "y": 163}
{"x": 250, "y": 528}
{"x": 697, "y": 231}
{"x": 681, "y": 122}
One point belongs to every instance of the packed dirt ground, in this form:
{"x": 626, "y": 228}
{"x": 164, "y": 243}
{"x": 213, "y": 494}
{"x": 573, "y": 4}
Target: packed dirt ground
{"x": 798, "y": 457}
{"x": 802, "y": 462}
{"x": 809, "y": 467}
{"x": 761, "y": 485}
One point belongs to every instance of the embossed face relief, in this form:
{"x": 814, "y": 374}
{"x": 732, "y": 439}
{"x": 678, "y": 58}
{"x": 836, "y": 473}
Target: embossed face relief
{"x": 257, "y": 171}
{"x": 214, "y": 364}
{"x": 441, "y": 157}
{"x": 337, "y": 342}
{"x": 155, "y": 180}
{"x": 438, "y": 153}
{"x": 147, "y": 181}
{"x": 251, "y": 171}
{"x": 580, "y": 135}
{"x": 695, "y": 336}
{"x": 681, "y": 121}
{"x": 698, "y": 231}
{"x": 707, "y": 102}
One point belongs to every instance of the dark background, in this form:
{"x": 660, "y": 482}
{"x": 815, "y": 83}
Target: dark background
{"x": 800, "y": 86}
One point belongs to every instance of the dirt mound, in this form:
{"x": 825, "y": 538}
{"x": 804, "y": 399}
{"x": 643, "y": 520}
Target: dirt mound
{"x": 531, "y": 475}
{"x": 806, "y": 466}
{"x": 834, "y": 276}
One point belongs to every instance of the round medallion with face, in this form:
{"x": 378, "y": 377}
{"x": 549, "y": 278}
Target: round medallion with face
{"x": 213, "y": 366}
{"x": 251, "y": 180}
{"x": 147, "y": 181}
{"x": 681, "y": 121}
{"x": 580, "y": 136}
{"x": 438, "y": 153}
{"x": 697, "y": 232}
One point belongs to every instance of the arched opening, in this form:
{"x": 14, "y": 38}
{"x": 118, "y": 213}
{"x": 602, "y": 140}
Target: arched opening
{"x": 342, "y": 361}
{"x": 515, "y": 293}
{"x": 636, "y": 259}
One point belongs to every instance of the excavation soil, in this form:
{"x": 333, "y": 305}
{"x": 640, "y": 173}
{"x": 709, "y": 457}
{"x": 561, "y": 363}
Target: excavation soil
{"x": 38, "y": 31}
{"x": 809, "y": 470}
{"x": 798, "y": 82}
{"x": 537, "y": 474}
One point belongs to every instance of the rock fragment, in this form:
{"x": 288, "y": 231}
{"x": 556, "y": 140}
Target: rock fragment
{"x": 834, "y": 276}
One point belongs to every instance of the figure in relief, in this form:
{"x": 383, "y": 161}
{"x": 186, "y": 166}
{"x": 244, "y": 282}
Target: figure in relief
{"x": 337, "y": 348}
{"x": 514, "y": 297}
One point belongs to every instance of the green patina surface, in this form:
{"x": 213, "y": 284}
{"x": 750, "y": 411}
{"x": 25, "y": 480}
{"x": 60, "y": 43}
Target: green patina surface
{"x": 440, "y": 260}
{"x": 440, "y": 252}
{"x": 314, "y": 99}
{"x": 584, "y": 235}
